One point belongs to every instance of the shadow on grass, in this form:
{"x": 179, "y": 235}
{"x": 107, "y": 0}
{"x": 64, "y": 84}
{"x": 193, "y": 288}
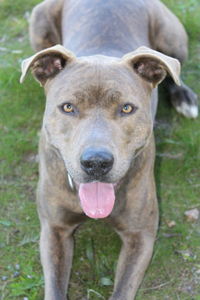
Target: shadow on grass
{"x": 163, "y": 128}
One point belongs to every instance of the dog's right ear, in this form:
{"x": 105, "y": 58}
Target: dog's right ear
{"x": 47, "y": 63}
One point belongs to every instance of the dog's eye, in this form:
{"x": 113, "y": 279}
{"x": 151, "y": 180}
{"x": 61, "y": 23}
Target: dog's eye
{"x": 128, "y": 109}
{"x": 67, "y": 108}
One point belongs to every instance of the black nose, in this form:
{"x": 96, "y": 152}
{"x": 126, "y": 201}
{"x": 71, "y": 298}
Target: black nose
{"x": 96, "y": 162}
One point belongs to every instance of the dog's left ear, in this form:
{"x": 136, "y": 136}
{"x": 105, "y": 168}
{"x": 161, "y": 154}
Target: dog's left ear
{"x": 152, "y": 65}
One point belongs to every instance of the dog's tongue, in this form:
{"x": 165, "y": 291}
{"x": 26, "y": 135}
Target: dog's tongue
{"x": 97, "y": 199}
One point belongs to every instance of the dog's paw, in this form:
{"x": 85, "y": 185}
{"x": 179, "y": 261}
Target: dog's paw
{"x": 189, "y": 111}
{"x": 184, "y": 101}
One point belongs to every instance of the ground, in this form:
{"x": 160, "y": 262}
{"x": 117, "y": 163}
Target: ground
{"x": 174, "y": 272}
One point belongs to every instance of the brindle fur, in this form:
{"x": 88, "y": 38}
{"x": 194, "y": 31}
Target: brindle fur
{"x": 98, "y": 81}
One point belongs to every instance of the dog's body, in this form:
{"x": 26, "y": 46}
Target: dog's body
{"x": 96, "y": 140}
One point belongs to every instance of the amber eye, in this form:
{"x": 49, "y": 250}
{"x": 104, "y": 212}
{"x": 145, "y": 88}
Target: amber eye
{"x": 127, "y": 109}
{"x": 68, "y": 108}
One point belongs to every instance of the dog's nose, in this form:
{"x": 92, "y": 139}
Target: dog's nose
{"x": 96, "y": 162}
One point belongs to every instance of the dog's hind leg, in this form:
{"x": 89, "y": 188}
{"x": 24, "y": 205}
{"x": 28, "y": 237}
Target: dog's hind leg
{"x": 168, "y": 35}
{"x": 45, "y": 24}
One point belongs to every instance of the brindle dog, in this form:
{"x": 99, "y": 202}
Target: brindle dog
{"x": 97, "y": 146}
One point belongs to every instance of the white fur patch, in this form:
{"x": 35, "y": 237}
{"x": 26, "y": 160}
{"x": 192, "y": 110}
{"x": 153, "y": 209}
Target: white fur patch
{"x": 70, "y": 182}
{"x": 189, "y": 111}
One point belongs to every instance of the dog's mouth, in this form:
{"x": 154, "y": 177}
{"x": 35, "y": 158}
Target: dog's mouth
{"x": 97, "y": 198}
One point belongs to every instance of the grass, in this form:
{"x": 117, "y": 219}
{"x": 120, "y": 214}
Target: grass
{"x": 175, "y": 269}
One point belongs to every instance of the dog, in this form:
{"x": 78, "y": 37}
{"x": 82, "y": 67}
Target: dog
{"x": 97, "y": 145}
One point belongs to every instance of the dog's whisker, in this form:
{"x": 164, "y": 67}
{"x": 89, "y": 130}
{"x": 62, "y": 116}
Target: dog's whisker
{"x": 71, "y": 184}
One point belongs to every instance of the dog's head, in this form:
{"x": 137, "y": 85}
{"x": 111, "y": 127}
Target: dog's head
{"x": 98, "y": 114}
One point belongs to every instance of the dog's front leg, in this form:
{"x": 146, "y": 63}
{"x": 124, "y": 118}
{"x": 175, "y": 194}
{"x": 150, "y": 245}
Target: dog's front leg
{"x": 56, "y": 248}
{"x": 134, "y": 258}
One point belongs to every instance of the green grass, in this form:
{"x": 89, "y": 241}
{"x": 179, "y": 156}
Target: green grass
{"x": 172, "y": 274}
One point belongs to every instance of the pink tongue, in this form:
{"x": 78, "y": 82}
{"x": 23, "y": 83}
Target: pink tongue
{"x": 97, "y": 199}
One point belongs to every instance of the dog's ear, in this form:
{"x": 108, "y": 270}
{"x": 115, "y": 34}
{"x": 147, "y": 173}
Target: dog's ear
{"x": 46, "y": 63}
{"x": 152, "y": 65}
